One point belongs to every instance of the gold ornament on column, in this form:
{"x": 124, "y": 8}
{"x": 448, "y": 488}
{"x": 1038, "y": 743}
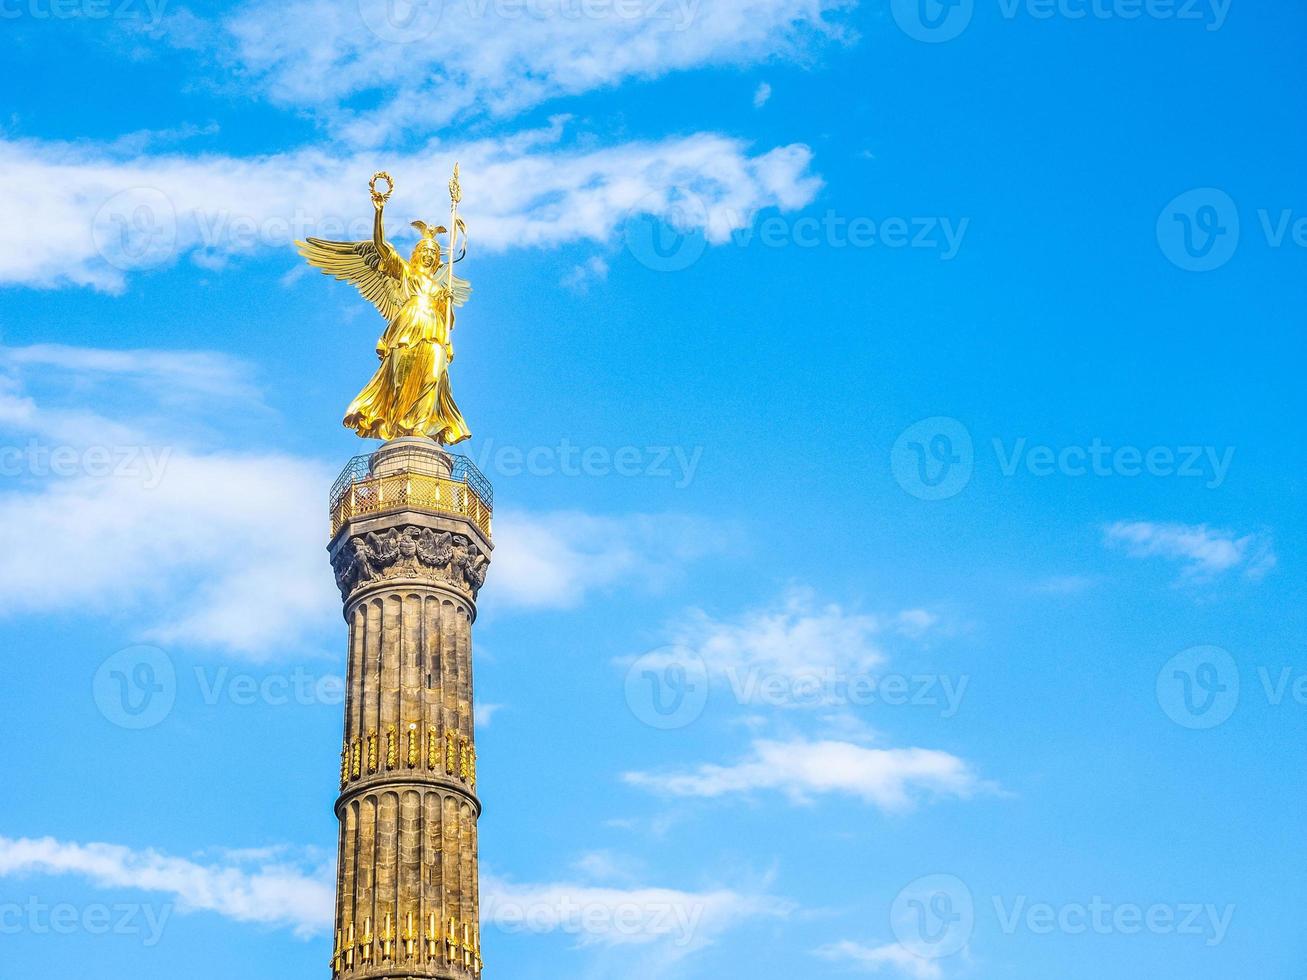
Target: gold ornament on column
{"x": 410, "y": 394}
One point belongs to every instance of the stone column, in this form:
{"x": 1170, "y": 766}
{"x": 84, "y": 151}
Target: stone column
{"x": 410, "y": 553}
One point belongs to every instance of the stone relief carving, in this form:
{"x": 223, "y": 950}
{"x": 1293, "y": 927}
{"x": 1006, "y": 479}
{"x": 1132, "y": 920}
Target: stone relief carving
{"x": 409, "y": 550}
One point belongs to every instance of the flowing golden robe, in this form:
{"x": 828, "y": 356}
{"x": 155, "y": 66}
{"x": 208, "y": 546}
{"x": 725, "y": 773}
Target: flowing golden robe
{"x": 409, "y": 395}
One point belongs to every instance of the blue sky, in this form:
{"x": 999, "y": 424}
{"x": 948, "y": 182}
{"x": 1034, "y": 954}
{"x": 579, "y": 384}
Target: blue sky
{"x": 893, "y": 412}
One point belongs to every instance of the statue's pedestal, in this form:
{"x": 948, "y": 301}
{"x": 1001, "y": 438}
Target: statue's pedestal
{"x": 412, "y": 453}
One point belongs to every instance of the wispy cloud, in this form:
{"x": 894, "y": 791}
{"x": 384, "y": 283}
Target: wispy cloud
{"x": 1205, "y": 553}
{"x": 219, "y": 548}
{"x": 1065, "y": 585}
{"x": 429, "y": 64}
{"x": 680, "y": 922}
{"x": 275, "y": 887}
{"x": 556, "y": 560}
{"x": 223, "y": 548}
{"x": 797, "y": 639}
{"x": 105, "y": 214}
{"x": 262, "y": 889}
{"x": 891, "y": 779}
{"x": 891, "y": 958}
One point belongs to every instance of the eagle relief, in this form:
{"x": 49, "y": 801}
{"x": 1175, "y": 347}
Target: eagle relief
{"x": 412, "y": 551}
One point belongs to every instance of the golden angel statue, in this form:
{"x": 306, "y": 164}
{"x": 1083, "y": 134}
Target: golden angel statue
{"x": 409, "y": 395}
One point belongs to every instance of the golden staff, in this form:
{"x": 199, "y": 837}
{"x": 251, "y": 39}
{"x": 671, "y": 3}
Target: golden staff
{"x": 455, "y": 197}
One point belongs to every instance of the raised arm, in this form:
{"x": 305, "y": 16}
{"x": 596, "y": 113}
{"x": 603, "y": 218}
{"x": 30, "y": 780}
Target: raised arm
{"x": 378, "y": 224}
{"x": 390, "y": 263}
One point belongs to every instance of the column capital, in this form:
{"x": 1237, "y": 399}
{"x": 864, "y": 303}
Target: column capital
{"x": 377, "y": 553}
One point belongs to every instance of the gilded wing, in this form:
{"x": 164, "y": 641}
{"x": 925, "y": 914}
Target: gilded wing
{"x": 462, "y": 288}
{"x": 375, "y": 274}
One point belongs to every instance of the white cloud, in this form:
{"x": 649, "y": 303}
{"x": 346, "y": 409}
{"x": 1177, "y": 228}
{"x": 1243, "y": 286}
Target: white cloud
{"x": 556, "y": 560}
{"x": 891, "y": 779}
{"x": 427, "y": 64}
{"x": 916, "y": 623}
{"x": 891, "y": 956}
{"x": 679, "y": 921}
{"x": 223, "y": 549}
{"x": 273, "y": 894}
{"x": 271, "y": 887}
{"x": 227, "y": 549}
{"x": 485, "y": 713}
{"x": 1065, "y": 585}
{"x": 762, "y": 95}
{"x": 191, "y": 372}
{"x": 103, "y": 214}
{"x": 1205, "y": 553}
{"x": 581, "y": 277}
{"x": 797, "y": 640}
{"x": 795, "y": 636}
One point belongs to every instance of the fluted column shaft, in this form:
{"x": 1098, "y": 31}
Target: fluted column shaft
{"x": 408, "y": 901}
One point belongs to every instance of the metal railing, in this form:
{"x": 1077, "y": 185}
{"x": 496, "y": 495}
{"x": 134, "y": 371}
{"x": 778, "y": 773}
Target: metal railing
{"x": 412, "y": 480}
